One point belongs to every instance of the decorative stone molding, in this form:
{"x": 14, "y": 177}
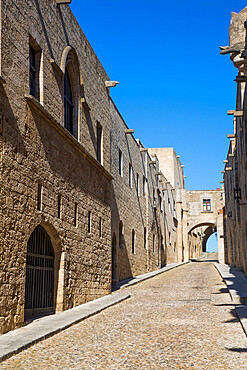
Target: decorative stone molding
{"x": 129, "y": 131}
{"x": 44, "y": 112}
{"x": 111, "y": 83}
{"x": 63, "y": 2}
{"x": 235, "y": 113}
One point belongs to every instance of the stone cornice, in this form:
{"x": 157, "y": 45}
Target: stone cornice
{"x": 66, "y": 134}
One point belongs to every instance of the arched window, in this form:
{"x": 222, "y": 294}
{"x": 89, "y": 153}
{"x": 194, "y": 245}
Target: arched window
{"x": 72, "y": 87}
{"x": 68, "y": 104}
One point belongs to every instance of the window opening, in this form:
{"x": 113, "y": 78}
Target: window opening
{"x": 39, "y": 197}
{"x": 133, "y": 241}
{"x": 99, "y": 142}
{"x": 130, "y": 176}
{"x": 120, "y": 163}
{"x": 100, "y": 227}
{"x": 144, "y": 186}
{"x": 120, "y": 234}
{"x": 89, "y": 222}
{"x": 206, "y": 205}
{"x": 145, "y": 238}
{"x": 75, "y": 214}
{"x": 33, "y": 71}
{"x": 137, "y": 184}
{"x": 59, "y": 206}
{"x": 68, "y": 104}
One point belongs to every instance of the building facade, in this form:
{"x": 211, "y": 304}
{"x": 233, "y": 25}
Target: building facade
{"x": 83, "y": 204}
{"x": 235, "y": 171}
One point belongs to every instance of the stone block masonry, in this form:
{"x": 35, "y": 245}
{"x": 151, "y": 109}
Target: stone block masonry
{"x": 82, "y": 203}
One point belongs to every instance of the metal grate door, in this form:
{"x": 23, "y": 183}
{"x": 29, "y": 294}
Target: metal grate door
{"x": 39, "y": 293}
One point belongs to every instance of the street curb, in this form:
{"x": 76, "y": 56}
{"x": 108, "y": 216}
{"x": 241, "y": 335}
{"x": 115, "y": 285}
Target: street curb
{"x": 236, "y": 283}
{"x": 18, "y": 340}
{"x": 138, "y": 279}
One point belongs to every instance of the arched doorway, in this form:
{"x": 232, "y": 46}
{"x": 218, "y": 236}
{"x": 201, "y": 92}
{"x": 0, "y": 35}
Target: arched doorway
{"x": 39, "y": 291}
{"x": 114, "y": 259}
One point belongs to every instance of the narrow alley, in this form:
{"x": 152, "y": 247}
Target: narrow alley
{"x": 181, "y": 319}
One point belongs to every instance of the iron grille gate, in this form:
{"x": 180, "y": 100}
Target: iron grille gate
{"x": 39, "y": 293}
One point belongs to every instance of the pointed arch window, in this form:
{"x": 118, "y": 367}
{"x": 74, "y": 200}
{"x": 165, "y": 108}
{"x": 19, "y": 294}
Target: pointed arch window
{"x": 68, "y": 104}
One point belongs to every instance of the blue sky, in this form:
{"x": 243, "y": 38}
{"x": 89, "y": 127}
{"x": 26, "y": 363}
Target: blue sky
{"x": 175, "y": 87}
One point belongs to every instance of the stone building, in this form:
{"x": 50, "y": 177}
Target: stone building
{"x": 205, "y": 217}
{"x": 235, "y": 171}
{"x": 83, "y": 204}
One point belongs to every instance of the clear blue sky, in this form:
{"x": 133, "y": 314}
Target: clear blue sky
{"x": 175, "y": 87}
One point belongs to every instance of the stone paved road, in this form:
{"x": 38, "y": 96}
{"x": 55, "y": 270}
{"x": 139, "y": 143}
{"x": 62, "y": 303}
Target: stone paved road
{"x": 182, "y": 319}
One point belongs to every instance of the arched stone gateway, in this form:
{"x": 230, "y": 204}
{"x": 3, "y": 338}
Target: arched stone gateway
{"x": 43, "y": 293}
{"x": 205, "y": 216}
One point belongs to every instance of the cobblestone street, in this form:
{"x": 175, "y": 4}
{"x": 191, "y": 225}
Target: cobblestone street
{"x": 181, "y": 319}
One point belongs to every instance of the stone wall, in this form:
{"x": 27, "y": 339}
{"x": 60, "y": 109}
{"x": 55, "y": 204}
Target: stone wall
{"x": 235, "y": 169}
{"x": 69, "y": 182}
{"x": 36, "y": 150}
{"x": 145, "y": 206}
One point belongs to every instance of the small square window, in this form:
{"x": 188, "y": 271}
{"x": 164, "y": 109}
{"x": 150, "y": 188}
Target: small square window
{"x": 206, "y": 205}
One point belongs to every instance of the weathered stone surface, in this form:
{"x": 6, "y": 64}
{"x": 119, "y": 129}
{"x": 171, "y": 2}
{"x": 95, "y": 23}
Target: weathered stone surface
{"x": 235, "y": 180}
{"x": 64, "y": 180}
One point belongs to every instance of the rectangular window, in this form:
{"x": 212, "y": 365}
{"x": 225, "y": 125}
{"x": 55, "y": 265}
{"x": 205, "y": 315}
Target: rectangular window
{"x": 59, "y": 206}
{"x": 99, "y": 143}
{"x": 75, "y": 214}
{"x": 137, "y": 184}
{"x": 89, "y": 222}
{"x": 120, "y": 234}
{"x": 145, "y": 238}
{"x": 120, "y": 163}
{"x": 100, "y": 227}
{"x": 34, "y": 69}
{"x": 130, "y": 176}
{"x": 39, "y": 197}
{"x": 32, "y": 72}
{"x": 144, "y": 186}
{"x": 133, "y": 241}
{"x": 153, "y": 243}
{"x": 206, "y": 205}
